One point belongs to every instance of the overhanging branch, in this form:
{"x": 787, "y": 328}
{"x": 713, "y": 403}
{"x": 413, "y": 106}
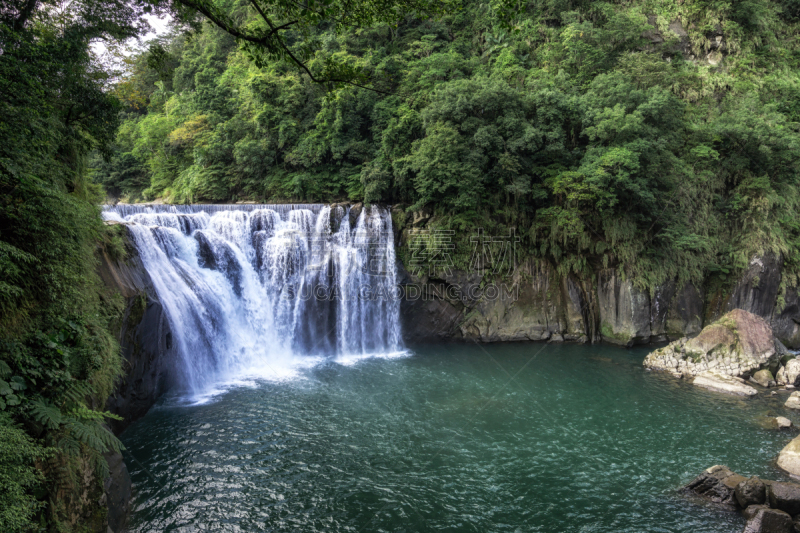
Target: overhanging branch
{"x": 272, "y": 40}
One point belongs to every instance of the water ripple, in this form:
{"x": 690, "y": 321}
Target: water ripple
{"x": 582, "y": 440}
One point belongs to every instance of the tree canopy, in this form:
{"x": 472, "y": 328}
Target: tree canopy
{"x": 656, "y": 137}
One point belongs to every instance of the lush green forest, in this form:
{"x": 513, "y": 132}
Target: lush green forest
{"x": 661, "y": 137}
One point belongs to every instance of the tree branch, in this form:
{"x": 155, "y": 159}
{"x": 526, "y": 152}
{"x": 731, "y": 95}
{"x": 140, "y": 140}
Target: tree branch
{"x": 272, "y": 40}
{"x": 24, "y": 14}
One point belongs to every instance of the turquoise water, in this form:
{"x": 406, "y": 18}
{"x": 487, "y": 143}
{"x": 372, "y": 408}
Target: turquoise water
{"x": 508, "y": 437}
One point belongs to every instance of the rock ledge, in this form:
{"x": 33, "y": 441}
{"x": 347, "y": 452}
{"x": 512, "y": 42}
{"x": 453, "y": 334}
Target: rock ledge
{"x": 738, "y": 345}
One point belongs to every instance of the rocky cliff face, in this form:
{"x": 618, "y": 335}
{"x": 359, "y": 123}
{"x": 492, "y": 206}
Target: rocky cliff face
{"x": 542, "y": 305}
{"x": 144, "y": 338}
{"x": 535, "y": 303}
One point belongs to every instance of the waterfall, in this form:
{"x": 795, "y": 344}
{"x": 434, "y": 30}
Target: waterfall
{"x": 263, "y": 289}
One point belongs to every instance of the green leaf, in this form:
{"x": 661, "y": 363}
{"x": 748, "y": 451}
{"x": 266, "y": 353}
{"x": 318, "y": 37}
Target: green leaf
{"x": 5, "y": 389}
{"x": 18, "y": 383}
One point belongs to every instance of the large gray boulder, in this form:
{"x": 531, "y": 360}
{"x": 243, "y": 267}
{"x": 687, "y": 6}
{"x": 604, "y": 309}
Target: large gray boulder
{"x": 792, "y": 371}
{"x": 717, "y": 484}
{"x": 789, "y": 458}
{"x": 765, "y": 520}
{"x": 718, "y": 382}
{"x": 737, "y": 344}
{"x": 793, "y": 401}
{"x": 764, "y": 378}
{"x": 784, "y": 496}
{"x": 780, "y": 376}
{"x": 751, "y": 491}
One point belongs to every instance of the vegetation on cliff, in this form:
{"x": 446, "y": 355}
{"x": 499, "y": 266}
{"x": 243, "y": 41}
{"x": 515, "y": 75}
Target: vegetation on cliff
{"x": 58, "y": 355}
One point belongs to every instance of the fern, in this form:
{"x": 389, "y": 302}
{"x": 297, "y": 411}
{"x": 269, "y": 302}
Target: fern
{"x": 84, "y": 413}
{"x": 86, "y": 434}
{"x": 78, "y": 391}
{"x": 100, "y": 465}
{"x": 94, "y": 435}
{"x": 69, "y": 446}
{"x": 46, "y": 414}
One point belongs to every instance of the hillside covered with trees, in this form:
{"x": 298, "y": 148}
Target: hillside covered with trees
{"x": 661, "y": 137}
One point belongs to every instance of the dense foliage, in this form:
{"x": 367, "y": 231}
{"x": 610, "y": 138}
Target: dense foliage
{"x": 658, "y": 137}
{"x": 58, "y": 357}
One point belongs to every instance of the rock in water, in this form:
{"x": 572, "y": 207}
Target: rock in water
{"x": 784, "y": 496}
{"x": 717, "y": 484}
{"x": 765, "y": 520}
{"x": 793, "y": 402}
{"x": 792, "y": 370}
{"x": 764, "y": 378}
{"x": 783, "y": 422}
{"x": 719, "y": 382}
{"x": 753, "y": 510}
{"x": 751, "y": 491}
{"x": 780, "y": 377}
{"x": 789, "y": 458}
{"x": 739, "y": 343}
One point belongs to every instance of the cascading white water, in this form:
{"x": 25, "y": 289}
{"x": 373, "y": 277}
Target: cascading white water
{"x": 259, "y": 289}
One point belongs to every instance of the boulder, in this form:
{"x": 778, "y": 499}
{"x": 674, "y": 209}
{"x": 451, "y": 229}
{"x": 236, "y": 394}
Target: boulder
{"x": 765, "y": 520}
{"x": 751, "y": 491}
{"x": 780, "y": 376}
{"x": 719, "y": 382}
{"x": 737, "y": 344}
{"x": 793, "y": 402}
{"x": 784, "y": 496}
{"x": 789, "y": 458}
{"x": 764, "y": 378}
{"x": 753, "y": 510}
{"x": 717, "y": 484}
{"x": 783, "y": 422}
{"x": 792, "y": 371}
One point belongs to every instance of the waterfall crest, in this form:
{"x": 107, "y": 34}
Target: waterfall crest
{"x": 261, "y": 289}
